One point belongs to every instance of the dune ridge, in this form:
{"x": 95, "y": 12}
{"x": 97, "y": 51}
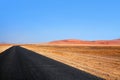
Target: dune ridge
{"x": 76, "y": 41}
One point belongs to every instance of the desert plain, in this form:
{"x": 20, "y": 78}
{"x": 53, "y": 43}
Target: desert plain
{"x": 100, "y": 60}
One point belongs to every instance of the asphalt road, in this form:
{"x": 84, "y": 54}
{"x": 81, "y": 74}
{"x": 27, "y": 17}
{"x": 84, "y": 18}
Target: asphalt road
{"x": 17, "y": 63}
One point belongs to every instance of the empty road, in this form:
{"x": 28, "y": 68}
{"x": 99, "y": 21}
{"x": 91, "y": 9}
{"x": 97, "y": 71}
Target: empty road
{"x": 17, "y": 63}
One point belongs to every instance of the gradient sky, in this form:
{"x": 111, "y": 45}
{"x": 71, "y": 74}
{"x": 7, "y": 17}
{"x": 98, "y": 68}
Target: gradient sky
{"x": 33, "y": 21}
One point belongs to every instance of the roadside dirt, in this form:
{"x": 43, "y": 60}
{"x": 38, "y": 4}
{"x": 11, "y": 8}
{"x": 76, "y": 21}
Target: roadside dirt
{"x": 4, "y": 47}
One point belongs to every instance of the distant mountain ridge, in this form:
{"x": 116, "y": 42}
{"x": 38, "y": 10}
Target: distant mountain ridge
{"x": 76, "y": 41}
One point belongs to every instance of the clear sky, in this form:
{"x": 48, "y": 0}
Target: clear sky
{"x": 28, "y": 21}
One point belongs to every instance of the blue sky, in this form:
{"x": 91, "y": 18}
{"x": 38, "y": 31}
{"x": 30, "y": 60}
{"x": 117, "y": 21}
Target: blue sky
{"x": 33, "y": 21}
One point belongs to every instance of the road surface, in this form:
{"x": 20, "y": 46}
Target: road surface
{"x": 17, "y": 63}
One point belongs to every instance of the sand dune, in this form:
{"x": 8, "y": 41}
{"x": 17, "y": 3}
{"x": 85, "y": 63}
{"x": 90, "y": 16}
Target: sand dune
{"x": 75, "y": 41}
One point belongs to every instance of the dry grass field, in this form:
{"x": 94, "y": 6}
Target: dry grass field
{"x": 102, "y": 61}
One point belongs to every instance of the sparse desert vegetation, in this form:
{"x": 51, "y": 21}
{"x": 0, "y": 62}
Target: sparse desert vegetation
{"x": 102, "y": 61}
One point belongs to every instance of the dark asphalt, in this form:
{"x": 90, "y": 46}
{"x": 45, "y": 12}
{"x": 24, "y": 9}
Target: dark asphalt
{"x": 17, "y": 63}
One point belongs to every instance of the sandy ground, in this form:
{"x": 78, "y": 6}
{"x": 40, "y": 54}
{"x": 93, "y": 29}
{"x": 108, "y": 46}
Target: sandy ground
{"x": 102, "y": 61}
{"x": 4, "y": 47}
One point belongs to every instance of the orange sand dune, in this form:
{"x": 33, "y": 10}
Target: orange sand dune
{"x": 74, "y": 41}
